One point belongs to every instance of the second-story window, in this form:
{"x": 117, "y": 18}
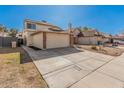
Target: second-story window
{"x": 31, "y": 26}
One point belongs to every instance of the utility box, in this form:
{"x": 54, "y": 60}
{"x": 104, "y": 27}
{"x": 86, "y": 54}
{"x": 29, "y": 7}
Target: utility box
{"x": 14, "y": 44}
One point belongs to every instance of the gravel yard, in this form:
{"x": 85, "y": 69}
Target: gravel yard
{"x": 113, "y": 51}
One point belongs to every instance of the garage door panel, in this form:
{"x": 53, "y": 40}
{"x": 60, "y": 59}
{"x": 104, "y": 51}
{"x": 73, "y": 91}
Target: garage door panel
{"x": 55, "y": 40}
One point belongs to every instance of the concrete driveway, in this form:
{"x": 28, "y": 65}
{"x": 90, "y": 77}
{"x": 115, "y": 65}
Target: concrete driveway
{"x": 71, "y": 67}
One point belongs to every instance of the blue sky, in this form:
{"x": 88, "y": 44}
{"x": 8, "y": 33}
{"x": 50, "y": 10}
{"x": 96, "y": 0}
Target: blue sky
{"x": 109, "y": 19}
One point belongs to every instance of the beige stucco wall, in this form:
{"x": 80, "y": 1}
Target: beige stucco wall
{"x": 27, "y": 36}
{"x": 87, "y": 40}
{"x": 57, "y": 40}
{"x": 42, "y": 27}
{"x": 37, "y": 40}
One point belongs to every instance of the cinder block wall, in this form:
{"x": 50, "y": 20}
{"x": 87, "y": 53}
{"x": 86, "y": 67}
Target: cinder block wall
{"x": 6, "y": 41}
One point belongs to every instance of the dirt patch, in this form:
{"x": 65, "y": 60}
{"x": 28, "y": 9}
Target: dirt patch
{"x": 22, "y": 75}
{"x": 121, "y": 47}
{"x": 113, "y": 51}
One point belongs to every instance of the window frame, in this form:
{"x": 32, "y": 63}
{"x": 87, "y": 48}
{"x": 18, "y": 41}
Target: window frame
{"x": 31, "y": 26}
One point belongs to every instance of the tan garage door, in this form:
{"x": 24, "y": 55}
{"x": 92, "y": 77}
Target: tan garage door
{"x": 55, "y": 40}
{"x": 38, "y": 40}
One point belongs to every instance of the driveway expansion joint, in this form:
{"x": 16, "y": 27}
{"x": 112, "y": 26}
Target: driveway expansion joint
{"x": 91, "y": 72}
{"x": 74, "y": 65}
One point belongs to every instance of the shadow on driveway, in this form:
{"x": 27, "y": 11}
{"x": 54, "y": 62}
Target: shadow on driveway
{"x": 49, "y": 53}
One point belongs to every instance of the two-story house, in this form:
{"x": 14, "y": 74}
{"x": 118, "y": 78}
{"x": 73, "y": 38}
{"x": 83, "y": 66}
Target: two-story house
{"x": 42, "y": 34}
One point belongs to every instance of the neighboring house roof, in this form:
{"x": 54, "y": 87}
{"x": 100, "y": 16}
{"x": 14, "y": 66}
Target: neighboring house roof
{"x": 62, "y": 32}
{"x": 88, "y": 33}
{"x": 118, "y": 37}
{"x": 105, "y": 35}
{"x": 4, "y": 34}
{"x": 76, "y": 31}
{"x": 43, "y": 23}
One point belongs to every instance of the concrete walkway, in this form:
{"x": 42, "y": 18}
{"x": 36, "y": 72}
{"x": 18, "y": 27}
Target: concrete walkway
{"x": 70, "y": 67}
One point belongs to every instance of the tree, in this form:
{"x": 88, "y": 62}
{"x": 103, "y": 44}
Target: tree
{"x": 13, "y": 32}
{"x": 85, "y": 28}
{"x": 3, "y": 28}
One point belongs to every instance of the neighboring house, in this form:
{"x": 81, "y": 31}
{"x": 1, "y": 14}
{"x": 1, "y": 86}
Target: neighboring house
{"x": 4, "y": 34}
{"x": 90, "y": 37}
{"x": 118, "y": 38}
{"x": 43, "y": 35}
{"x": 19, "y": 35}
{"x": 76, "y": 32}
{"x": 105, "y": 37}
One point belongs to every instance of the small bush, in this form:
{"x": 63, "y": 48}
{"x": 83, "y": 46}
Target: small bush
{"x": 94, "y": 47}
